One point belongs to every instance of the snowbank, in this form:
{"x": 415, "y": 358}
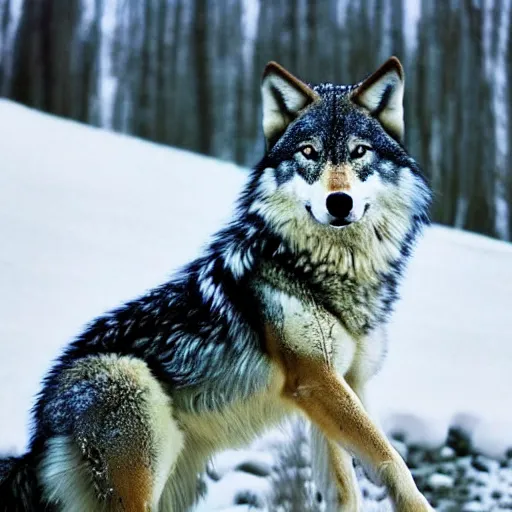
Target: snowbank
{"x": 90, "y": 218}
{"x": 450, "y": 355}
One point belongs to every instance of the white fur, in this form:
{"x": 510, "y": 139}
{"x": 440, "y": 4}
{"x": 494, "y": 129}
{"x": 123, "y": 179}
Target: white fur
{"x": 391, "y": 209}
{"x": 312, "y": 331}
{"x": 66, "y": 477}
{"x": 313, "y": 194}
{"x": 168, "y": 439}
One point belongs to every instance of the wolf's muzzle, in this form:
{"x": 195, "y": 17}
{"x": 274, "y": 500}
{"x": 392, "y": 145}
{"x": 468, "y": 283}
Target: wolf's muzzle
{"x": 339, "y": 205}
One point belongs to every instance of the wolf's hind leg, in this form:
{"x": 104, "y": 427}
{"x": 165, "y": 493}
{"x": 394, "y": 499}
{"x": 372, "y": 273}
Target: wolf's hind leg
{"x": 119, "y": 442}
{"x": 349, "y": 494}
{"x": 335, "y": 473}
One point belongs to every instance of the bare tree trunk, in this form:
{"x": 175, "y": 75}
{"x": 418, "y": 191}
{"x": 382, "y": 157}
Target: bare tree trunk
{"x": 5, "y": 26}
{"x": 204, "y": 100}
{"x": 187, "y": 73}
{"x": 496, "y": 59}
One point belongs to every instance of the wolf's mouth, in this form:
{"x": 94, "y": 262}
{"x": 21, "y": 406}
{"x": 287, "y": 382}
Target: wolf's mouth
{"x": 337, "y": 223}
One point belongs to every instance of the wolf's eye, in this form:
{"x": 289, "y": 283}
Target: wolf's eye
{"x": 309, "y": 152}
{"x": 359, "y": 151}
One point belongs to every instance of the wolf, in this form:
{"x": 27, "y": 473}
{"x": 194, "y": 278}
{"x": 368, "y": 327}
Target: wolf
{"x": 283, "y": 313}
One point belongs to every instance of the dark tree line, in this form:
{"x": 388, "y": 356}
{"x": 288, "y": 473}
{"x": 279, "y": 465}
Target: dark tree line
{"x": 186, "y": 73}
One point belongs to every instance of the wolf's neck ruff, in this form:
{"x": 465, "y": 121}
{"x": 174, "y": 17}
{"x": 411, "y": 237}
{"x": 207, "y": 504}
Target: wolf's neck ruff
{"x": 365, "y": 259}
{"x": 364, "y": 249}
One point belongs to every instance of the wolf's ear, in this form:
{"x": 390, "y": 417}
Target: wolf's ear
{"x": 283, "y": 97}
{"x": 382, "y": 94}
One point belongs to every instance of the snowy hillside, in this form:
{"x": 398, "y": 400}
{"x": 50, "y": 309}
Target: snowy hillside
{"x": 90, "y": 218}
{"x": 87, "y": 219}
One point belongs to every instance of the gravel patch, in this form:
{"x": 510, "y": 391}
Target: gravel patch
{"x": 453, "y": 478}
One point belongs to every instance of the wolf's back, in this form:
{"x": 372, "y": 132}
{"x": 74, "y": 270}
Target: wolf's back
{"x": 19, "y": 490}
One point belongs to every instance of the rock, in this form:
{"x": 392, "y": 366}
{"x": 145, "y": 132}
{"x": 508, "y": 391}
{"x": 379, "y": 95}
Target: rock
{"x": 459, "y": 441}
{"x": 255, "y": 467}
{"x": 496, "y": 494}
{"x": 250, "y": 498}
{"x": 247, "y": 460}
{"x": 474, "y": 506}
{"x": 480, "y": 464}
{"x": 453, "y": 479}
{"x": 212, "y": 472}
{"x": 439, "y": 481}
{"x": 447, "y": 453}
{"x": 447, "y": 468}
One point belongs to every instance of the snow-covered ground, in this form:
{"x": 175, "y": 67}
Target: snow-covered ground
{"x": 450, "y": 356}
{"x": 90, "y": 218}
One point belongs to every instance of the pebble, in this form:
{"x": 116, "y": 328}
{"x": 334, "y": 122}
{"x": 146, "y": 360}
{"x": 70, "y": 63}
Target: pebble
{"x": 255, "y": 467}
{"x": 459, "y": 441}
{"x": 447, "y": 453}
{"x": 452, "y": 477}
{"x": 440, "y": 481}
{"x": 474, "y": 506}
{"x": 480, "y": 464}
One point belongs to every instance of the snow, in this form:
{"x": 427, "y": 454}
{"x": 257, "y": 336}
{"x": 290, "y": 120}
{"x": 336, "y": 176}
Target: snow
{"x": 90, "y": 218}
{"x": 261, "y": 461}
{"x": 224, "y": 493}
{"x": 440, "y": 481}
{"x": 450, "y": 352}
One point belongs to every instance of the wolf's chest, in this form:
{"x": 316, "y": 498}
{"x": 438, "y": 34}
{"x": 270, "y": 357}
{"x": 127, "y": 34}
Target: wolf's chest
{"x": 358, "y": 301}
{"x": 359, "y": 306}
{"x": 304, "y": 327}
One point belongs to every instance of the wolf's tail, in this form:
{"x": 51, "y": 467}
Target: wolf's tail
{"x": 19, "y": 490}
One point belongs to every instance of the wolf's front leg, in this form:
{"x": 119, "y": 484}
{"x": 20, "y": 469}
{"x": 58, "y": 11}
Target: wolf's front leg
{"x": 333, "y": 406}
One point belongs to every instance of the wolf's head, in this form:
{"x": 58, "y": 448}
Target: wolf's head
{"x": 335, "y": 166}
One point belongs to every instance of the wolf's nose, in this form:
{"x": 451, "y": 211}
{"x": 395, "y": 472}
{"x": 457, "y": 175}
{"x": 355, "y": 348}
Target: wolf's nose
{"x": 339, "y": 204}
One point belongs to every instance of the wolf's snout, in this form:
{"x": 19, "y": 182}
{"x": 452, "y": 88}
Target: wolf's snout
{"x": 339, "y": 204}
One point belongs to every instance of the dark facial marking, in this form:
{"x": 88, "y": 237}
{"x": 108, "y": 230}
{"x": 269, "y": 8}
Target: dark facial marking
{"x": 332, "y": 121}
{"x": 285, "y": 171}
